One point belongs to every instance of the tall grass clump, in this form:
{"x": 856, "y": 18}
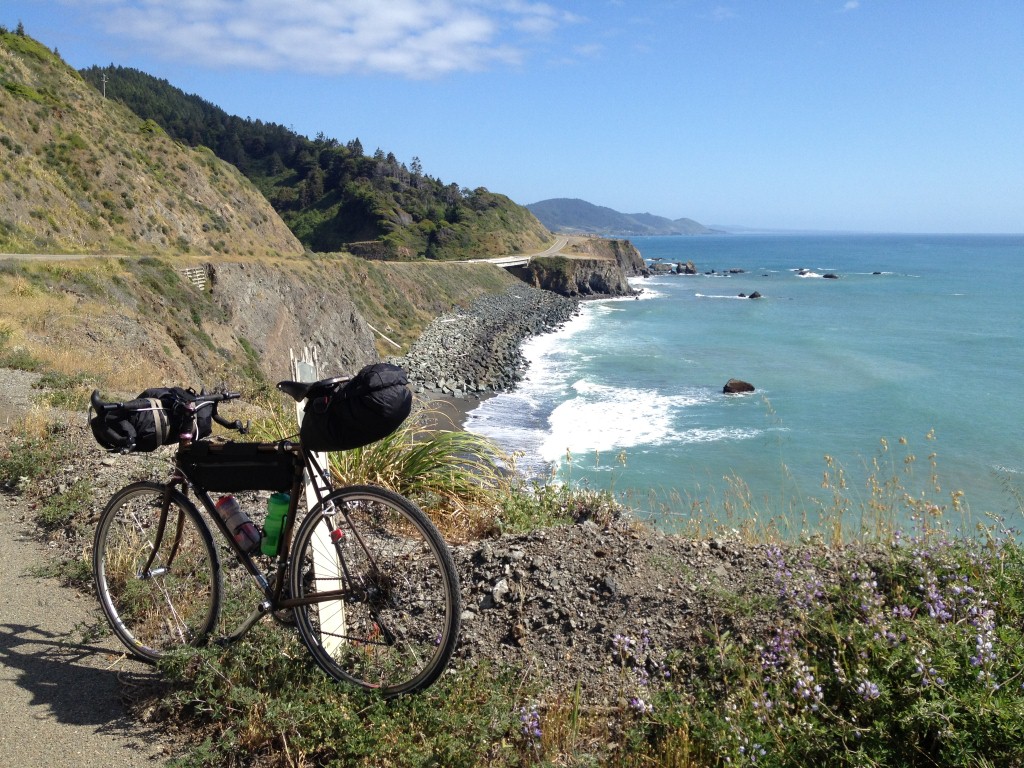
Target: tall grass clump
{"x": 455, "y": 476}
{"x": 33, "y": 449}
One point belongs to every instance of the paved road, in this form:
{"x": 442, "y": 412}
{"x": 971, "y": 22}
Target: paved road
{"x": 58, "y": 256}
{"x": 61, "y": 688}
{"x": 502, "y": 261}
{"x": 522, "y": 259}
{"x": 60, "y": 693}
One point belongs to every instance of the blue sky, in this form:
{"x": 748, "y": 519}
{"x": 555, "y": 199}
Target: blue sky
{"x": 858, "y": 115}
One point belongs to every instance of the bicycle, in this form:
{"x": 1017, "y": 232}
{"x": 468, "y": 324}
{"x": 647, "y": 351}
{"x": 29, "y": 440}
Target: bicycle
{"x": 368, "y": 579}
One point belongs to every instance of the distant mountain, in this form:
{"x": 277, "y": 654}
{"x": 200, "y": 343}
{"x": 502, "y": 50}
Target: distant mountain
{"x": 562, "y": 214}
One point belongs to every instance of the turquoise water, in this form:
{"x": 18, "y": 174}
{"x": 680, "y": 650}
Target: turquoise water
{"x": 629, "y": 395}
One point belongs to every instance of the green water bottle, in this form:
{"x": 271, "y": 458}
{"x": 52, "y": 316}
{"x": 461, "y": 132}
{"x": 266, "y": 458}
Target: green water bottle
{"x": 277, "y": 509}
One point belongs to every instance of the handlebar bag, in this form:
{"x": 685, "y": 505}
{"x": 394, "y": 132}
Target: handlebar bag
{"x": 142, "y": 425}
{"x": 366, "y": 408}
{"x": 152, "y": 419}
{"x": 173, "y": 398}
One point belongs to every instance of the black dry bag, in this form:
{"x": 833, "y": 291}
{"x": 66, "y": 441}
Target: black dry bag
{"x": 366, "y": 408}
{"x": 152, "y": 419}
{"x": 142, "y": 425}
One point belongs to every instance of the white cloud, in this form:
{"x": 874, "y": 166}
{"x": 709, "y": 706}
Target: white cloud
{"x": 412, "y": 38}
{"x": 851, "y": 5}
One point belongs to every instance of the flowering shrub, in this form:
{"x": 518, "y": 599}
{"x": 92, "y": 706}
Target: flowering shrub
{"x": 907, "y": 654}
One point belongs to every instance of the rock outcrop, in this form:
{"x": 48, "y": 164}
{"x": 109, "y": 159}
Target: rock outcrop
{"x": 592, "y": 267}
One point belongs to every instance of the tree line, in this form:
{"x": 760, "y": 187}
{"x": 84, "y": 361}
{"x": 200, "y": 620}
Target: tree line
{"x": 331, "y": 194}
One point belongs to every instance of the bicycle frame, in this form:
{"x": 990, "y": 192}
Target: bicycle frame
{"x": 273, "y": 589}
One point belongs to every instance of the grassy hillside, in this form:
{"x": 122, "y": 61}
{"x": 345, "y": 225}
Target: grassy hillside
{"x": 332, "y": 195}
{"x": 79, "y": 173}
{"x": 124, "y": 324}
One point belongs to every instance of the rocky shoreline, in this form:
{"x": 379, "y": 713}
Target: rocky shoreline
{"x": 472, "y": 352}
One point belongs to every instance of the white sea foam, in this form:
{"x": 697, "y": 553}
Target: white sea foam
{"x": 715, "y": 296}
{"x": 716, "y": 435}
{"x": 647, "y": 286}
{"x": 602, "y": 418}
{"x": 517, "y": 420}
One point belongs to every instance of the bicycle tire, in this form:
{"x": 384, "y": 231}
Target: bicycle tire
{"x": 179, "y": 603}
{"x": 396, "y": 628}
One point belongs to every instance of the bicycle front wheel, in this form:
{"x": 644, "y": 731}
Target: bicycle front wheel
{"x": 158, "y": 591}
{"x": 392, "y": 619}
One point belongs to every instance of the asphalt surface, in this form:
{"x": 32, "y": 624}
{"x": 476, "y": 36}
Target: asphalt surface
{"x": 63, "y": 680}
{"x": 60, "y": 691}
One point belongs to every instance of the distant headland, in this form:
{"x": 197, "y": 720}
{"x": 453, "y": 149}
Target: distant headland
{"x": 574, "y": 216}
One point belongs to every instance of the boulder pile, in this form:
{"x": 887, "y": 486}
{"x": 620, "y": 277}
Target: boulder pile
{"x": 467, "y": 352}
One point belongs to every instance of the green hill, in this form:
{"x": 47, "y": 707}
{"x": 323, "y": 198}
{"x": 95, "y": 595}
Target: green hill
{"x": 332, "y": 195}
{"x": 575, "y": 216}
{"x": 80, "y": 173}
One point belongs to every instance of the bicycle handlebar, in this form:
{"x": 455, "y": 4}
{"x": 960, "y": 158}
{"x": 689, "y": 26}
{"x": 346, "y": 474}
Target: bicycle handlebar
{"x": 200, "y": 401}
{"x": 143, "y": 404}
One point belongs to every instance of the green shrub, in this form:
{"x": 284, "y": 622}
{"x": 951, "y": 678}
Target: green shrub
{"x": 18, "y": 358}
{"x": 27, "y": 456}
{"x": 909, "y": 656}
{"x": 60, "y": 510}
{"x": 527, "y": 507}
{"x": 266, "y": 696}
{"x": 69, "y": 392}
{"x": 25, "y": 92}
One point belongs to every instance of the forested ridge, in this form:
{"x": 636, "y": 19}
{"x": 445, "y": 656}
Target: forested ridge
{"x": 331, "y": 194}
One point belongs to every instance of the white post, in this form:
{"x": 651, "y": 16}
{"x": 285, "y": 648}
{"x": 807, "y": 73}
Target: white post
{"x": 326, "y": 567}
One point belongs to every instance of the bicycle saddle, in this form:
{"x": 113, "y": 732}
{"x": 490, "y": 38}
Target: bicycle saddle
{"x": 300, "y": 390}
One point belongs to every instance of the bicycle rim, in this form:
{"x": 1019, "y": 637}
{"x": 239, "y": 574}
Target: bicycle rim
{"x": 177, "y": 602}
{"x": 395, "y": 628}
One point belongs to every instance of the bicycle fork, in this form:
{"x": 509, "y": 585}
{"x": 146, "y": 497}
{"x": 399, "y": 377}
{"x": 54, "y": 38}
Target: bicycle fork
{"x": 148, "y": 571}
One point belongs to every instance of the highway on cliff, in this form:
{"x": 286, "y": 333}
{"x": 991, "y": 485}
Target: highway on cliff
{"x": 522, "y": 259}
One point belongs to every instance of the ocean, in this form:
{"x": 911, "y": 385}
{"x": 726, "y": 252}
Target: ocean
{"x": 906, "y": 369}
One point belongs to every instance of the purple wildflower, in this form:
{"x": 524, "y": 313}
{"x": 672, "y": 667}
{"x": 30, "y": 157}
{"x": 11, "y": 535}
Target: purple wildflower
{"x": 530, "y": 728}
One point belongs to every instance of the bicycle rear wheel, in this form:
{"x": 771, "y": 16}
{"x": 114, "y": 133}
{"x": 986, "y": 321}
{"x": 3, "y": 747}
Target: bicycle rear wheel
{"x": 394, "y": 627}
{"x": 177, "y": 601}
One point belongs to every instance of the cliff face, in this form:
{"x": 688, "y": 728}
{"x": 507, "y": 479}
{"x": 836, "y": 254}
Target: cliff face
{"x": 128, "y": 324}
{"x": 270, "y": 310}
{"x": 592, "y": 267}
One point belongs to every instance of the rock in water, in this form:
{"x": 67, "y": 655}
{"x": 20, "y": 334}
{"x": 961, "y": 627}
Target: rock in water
{"x": 735, "y": 386}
